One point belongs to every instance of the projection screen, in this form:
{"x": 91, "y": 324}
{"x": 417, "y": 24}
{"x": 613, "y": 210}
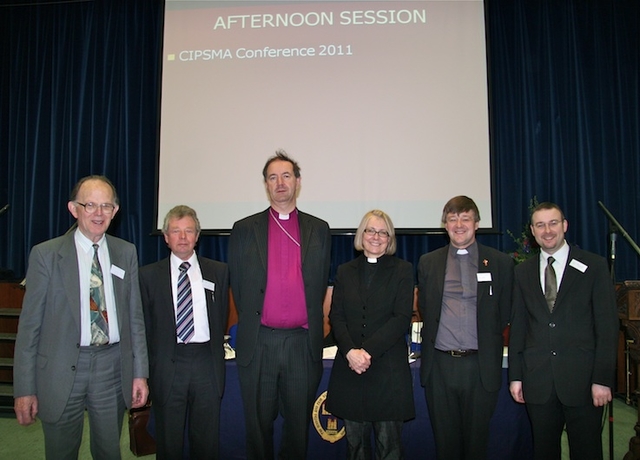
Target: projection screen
{"x": 383, "y": 104}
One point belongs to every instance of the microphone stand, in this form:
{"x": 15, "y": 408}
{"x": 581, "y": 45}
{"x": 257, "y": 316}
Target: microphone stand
{"x": 614, "y": 228}
{"x": 622, "y": 231}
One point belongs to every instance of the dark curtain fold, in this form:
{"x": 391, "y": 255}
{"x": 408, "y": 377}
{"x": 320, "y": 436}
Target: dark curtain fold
{"x": 79, "y": 94}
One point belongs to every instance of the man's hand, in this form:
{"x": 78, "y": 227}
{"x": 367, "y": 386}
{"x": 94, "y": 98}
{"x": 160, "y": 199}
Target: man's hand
{"x": 515, "y": 388}
{"x": 140, "y": 393}
{"x": 601, "y": 395}
{"x": 26, "y": 409}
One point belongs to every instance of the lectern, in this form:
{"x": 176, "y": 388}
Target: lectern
{"x": 628, "y": 301}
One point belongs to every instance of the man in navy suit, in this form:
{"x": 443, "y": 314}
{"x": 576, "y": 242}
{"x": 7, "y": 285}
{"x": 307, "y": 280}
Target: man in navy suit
{"x": 563, "y": 340}
{"x": 279, "y": 265}
{"x": 465, "y": 303}
{"x": 69, "y": 358}
{"x": 186, "y": 319}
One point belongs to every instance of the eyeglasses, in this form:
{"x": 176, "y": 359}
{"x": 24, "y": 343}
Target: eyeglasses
{"x": 381, "y": 233}
{"x": 91, "y": 208}
{"x": 552, "y": 224}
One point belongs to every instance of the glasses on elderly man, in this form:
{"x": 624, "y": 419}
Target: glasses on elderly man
{"x": 91, "y": 208}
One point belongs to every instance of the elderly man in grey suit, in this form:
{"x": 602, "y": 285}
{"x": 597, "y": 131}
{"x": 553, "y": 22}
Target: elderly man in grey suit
{"x": 81, "y": 339}
{"x": 279, "y": 265}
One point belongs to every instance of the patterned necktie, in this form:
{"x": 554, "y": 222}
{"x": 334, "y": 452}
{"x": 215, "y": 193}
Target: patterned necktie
{"x": 184, "y": 319}
{"x": 550, "y": 284}
{"x": 97, "y": 304}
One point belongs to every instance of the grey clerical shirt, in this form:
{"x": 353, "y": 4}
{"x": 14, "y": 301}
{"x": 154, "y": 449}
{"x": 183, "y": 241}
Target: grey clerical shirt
{"x": 458, "y": 326}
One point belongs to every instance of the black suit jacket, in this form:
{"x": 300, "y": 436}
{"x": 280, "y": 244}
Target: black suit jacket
{"x": 575, "y": 345}
{"x": 159, "y": 316}
{"x": 493, "y": 309}
{"x": 248, "y": 271}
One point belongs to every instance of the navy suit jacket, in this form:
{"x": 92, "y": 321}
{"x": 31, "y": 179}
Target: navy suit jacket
{"x": 248, "y": 271}
{"x": 575, "y": 345}
{"x": 159, "y": 317}
{"x": 493, "y": 309}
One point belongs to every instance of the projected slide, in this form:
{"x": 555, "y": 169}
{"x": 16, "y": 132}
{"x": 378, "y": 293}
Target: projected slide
{"x": 383, "y": 104}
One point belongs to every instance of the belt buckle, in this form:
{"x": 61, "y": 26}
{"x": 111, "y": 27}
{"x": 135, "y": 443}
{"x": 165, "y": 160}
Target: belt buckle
{"x": 458, "y": 353}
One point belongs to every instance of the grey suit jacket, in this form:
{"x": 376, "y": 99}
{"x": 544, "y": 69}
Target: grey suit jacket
{"x": 48, "y": 341}
{"x": 575, "y": 345}
{"x": 159, "y": 316}
{"x": 248, "y": 272}
{"x": 493, "y": 309}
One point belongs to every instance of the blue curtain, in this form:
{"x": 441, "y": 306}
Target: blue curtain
{"x": 79, "y": 95}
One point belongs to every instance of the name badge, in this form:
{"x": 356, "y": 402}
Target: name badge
{"x": 578, "y": 265}
{"x": 209, "y": 286}
{"x": 484, "y": 277}
{"x": 117, "y": 271}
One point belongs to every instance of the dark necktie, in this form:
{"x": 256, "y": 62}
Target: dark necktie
{"x": 97, "y": 304}
{"x": 184, "y": 321}
{"x": 550, "y": 284}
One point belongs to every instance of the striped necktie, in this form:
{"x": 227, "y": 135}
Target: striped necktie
{"x": 184, "y": 315}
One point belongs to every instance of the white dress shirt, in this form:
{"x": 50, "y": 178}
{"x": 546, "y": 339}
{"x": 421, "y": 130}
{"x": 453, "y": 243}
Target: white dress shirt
{"x": 200, "y": 316}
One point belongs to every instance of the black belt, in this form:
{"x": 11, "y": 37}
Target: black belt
{"x": 458, "y": 353}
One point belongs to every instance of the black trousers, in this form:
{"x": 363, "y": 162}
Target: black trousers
{"x": 194, "y": 401}
{"x": 281, "y": 379}
{"x": 460, "y": 408}
{"x": 584, "y": 429}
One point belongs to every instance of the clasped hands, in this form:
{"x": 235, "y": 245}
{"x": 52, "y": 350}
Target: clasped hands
{"x": 359, "y": 360}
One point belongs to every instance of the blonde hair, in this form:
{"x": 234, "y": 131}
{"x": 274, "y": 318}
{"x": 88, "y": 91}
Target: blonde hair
{"x": 391, "y": 245}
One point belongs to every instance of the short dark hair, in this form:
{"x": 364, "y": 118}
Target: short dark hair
{"x": 76, "y": 188}
{"x": 545, "y": 205}
{"x": 178, "y": 212}
{"x": 281, "y": 155}
{"x": 458, "y": 204}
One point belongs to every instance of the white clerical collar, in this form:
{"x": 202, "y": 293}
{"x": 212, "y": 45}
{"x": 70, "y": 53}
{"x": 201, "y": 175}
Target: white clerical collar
{"x": 372, "y": 260}
{"x": 280, "y": 215}
{"x": 462, "y": 251}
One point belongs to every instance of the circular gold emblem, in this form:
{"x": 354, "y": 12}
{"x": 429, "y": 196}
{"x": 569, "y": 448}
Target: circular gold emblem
{"x": 329, "y": 427}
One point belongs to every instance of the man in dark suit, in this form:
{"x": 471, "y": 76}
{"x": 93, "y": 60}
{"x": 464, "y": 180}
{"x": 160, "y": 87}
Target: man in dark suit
{"x": 81, "y": 339}
{"x": 279, "y": 265}
{"x": 563, "y": 339}
{"x": 464, "y": 300}
{"x": 186, "y": 318}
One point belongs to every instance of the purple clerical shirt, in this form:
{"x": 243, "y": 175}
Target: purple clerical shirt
{"x": 284, "y": 301}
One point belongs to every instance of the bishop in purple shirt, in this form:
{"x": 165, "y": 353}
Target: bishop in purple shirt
{"x": 279, "y": 267}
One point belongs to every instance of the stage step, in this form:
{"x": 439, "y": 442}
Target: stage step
{"x": 10, "y": 312}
